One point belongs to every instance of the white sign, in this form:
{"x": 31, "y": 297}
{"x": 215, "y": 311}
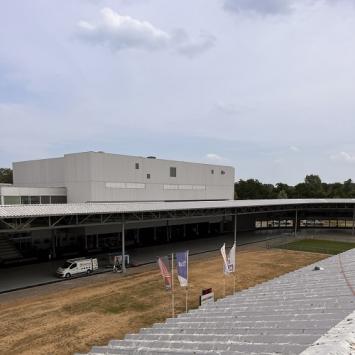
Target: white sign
{"x": 208, "y": 298}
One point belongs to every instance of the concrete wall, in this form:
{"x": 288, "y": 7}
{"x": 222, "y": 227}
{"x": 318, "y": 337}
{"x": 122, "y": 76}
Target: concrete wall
{"x": 99, "y": 177}
{"x": 32, "y": 191}
{"x": 39, "y": 173}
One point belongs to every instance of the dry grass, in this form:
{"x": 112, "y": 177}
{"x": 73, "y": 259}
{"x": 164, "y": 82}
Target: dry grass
{"x": 72, "y": 320}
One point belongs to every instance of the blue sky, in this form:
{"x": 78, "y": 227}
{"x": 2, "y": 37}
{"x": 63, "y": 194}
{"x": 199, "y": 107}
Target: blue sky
{"x": 266, "y": 86}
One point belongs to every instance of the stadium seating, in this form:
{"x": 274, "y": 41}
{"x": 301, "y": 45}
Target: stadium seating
{"x": 284, "y": 315}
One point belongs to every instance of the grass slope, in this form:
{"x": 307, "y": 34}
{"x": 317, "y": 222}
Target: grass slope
{"x": 319, "y": 246}
{"x": 108, "y": 306}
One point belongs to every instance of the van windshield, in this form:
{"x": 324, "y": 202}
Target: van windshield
{"x": 66, "y": 265}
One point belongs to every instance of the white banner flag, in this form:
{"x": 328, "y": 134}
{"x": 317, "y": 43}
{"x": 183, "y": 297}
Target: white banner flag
{"x": 224, "y": 256}
{"x": 182, "y": 265}
{"x": 231, "y": 259}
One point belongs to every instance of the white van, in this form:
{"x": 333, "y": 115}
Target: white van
{"x": 77, "y": 266}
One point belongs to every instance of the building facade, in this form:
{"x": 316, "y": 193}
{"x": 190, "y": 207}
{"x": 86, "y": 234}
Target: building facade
{"x": 103, "y": 177}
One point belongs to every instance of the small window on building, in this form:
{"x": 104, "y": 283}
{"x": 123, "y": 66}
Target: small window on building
{"x": 45, "y": 200}
{"x": 35, "y": 200}
{"x": 58, "y": 199}
{"x": 148, "y": 176}
{"x": 25, "y": 200}
{"x": 223, "y": 172}
{"x": 172, "y": 172}
{"x": 137, "y": 165}
{"x": 212, "y": 171}
{"x": 12, "y": 200}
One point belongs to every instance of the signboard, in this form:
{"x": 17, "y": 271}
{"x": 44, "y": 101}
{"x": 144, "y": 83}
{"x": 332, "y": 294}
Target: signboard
{"x": 207, "y": 296}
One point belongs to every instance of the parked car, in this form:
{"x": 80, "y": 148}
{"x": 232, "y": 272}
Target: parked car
{"x": 77, "y": 266}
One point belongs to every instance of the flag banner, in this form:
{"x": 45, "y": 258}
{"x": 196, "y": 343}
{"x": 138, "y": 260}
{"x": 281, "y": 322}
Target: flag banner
{"x": 231, "y": 259}
{"x": 225, "y": 261}
{"x": 163, "y": 263}
{"x": 182, "y": 266}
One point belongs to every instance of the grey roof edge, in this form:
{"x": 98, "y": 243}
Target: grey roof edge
{"x": 340, "y": 340}
{"x": 10, "y": 211}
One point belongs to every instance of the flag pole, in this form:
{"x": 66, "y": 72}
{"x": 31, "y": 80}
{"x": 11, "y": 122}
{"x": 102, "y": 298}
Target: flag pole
{"x": 235, "y": 266}
{"x": 172, "y": 286}
{"x": 235, "y": 250}
{"x": 186, "y": 295}
{"x": 224, "y": 284}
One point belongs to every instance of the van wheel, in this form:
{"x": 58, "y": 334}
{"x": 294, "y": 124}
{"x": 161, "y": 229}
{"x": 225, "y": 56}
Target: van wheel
{"x": 67, "y": 275}
{"x": 89, "y": 271}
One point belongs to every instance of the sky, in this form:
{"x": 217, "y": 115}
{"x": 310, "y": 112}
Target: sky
{"x": 265, "y": 86}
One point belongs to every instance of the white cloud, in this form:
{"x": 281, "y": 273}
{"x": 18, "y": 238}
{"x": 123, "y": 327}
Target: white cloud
{"x": 191, "y": 48}
{"x": 122, "y": 32}
{"x": 343, "y": 157}
{"x": 265, "y": 7}
{"x": 213, "y": 157}
{"x": 226, "y": 107}
{"x": 279, "y": 161}
{"x": 294, "y": 148}
{"x": 273, "y": 7}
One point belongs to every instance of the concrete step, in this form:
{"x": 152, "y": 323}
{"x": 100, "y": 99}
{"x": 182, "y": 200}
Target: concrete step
{"x": 248, "y": 348}
{"x": 227, "y": 338}
{"x": 233, "y": 330}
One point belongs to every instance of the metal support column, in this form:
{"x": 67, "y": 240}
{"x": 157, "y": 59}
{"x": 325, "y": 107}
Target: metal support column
{"x": 123, "y": 248}
{"x": 235, "y": 227}
{"x": 168, "y": 232}
{"x": 222, "y": 225}
{"x": 53, "y": 252}
{"x": 296, "y": 222}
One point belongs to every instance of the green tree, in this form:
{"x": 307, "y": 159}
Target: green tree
{"x": 5, "y": 175}
{"x": 282, "y": 194}
{"x": 284, "y": 190}
{"x": 311, "y": 188}
{"x": 253, "y": 189}
{"x": 349, "y": 188}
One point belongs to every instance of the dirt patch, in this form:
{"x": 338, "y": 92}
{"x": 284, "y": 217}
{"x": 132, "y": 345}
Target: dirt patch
{"x": 64, "y": 321}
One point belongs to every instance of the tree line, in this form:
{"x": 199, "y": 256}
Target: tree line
{"x": 312, "y": 187}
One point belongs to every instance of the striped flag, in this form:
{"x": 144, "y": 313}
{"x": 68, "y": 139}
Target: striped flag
{"x": 163, "y": 263}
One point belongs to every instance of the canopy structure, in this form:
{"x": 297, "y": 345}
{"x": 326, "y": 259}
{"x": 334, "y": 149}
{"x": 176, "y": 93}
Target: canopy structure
{"x": 18, "y": 218}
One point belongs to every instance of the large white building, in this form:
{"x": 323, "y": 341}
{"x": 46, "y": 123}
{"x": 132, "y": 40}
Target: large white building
{"x": 103, "y": 177}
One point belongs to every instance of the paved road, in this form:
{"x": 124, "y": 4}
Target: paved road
{"x": 30, "y": 275}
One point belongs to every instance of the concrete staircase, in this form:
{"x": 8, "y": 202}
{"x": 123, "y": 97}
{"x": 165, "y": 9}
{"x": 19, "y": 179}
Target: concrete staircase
{"x": 282, "y": 316}
{"x": 8, "y": 250}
